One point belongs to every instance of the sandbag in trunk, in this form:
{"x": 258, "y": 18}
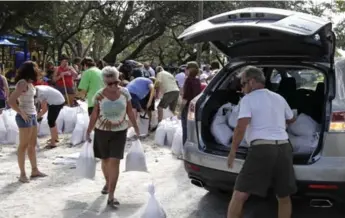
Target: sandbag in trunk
{"x": 304, "y": 144}
{"x": 219, "y": 127}
{"x": 304, "y": 126}
{"x": 135, "y": 158}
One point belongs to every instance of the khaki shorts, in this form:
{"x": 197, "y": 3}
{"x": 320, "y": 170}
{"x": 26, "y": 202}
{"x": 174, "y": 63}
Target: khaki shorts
{"x": 169, "y": 99}
{"x": 268, "y": 166}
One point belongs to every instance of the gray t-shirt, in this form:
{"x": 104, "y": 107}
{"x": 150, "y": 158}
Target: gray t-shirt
{"x": 50, "y": 95}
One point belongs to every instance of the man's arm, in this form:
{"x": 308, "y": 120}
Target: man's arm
{"x": 152, "y": 95}
{"x": 7, "y": 90}
{"x": 84, "y": 84}
{"x": 289, "y": 116}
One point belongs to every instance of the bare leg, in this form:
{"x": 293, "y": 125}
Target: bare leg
{"x": 113, "y": 175}
{"x": 105, "y": 171}
{"x": 54, "y": 136}
{"x": 284, "y": 207}
{"x": 24, "y": 134}
{"x": 149, "y": 113}
{"x": 160, "y": 114}
{"x": 32, "y": 153}
{"x": 236, "y": 204}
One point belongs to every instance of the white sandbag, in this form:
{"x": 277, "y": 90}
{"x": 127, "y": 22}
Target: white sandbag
{"x": 12, "y": 134}
{"x": 143, "y": 124}
{"x": 86, "y": 120}
{"x": 135, "y": 159}
{"x": 59, "y": 121}
{"x": 304, "y": 126}
{"x": 44, "y": 129}
{"x": 167, "y": 113}
{"x": 86, "y": 163}
{"x": 153, "y": 208}
{"x": 171, "y": 127}
{"x": 233, "y": 116}
{"x": 304, "y": 144}
{"x": 219, "y": 127}
{"x": 70, "y": 118}
{"x": 177, "y": 144}
{"x": 3, "y": 132}
{"x": 154, "y": 119}
{"x": 130, "y": 132}
{"x": 160, "y": 135}
{"x": 79, "y": 131}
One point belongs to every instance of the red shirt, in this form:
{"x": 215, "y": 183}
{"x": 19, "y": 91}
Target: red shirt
{"x": 203, "y": 86}
{"x": 191, "y": 88}
{"x": 68, "y": 78}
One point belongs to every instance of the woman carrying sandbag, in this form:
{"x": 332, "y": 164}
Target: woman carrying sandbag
{"x": 108, "y": 117}
{"x": 26, "y": 118}
{"x": 51, "y": 100}
{"x": 192, "y": 88}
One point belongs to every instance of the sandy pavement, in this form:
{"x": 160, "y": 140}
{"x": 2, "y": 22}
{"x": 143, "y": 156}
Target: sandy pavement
{"x": 64, "y": 195}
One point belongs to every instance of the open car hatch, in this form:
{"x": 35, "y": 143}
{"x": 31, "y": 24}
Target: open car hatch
{"x": 252, "y": 32}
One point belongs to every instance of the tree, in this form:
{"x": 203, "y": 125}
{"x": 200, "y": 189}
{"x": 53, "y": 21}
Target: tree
{"x": 136, "y": 22}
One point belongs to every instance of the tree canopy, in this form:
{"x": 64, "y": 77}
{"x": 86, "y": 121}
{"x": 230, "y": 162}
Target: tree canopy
{"x": 143, "y": 30}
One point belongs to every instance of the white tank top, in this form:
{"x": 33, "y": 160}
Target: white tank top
{"x": 26, "y": 100}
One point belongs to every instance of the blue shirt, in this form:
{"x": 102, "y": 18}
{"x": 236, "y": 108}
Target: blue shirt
{"x": 140, "y": 87}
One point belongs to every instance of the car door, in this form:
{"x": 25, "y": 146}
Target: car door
{"x": 262, "y": 32}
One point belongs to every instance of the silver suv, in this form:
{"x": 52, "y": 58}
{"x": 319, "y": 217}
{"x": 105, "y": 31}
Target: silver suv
{"x": 286, "y": 42}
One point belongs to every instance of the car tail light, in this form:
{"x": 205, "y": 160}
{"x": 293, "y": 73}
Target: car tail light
{"x": 191, "y": 111}
{"x": 338, "y": 122}
{"x": 325, "y": 187}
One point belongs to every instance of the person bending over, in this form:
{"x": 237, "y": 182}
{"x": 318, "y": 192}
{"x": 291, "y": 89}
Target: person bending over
{"x": 51, "y": 100}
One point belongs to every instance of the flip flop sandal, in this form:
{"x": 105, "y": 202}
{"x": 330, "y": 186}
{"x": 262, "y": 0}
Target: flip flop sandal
{"x": 49, "y": 140}
{"x": 113, "y": 203}
{"x": 40, "y": 175}
{"x": 104, "y": 190}
{"x": 50, "y": 147}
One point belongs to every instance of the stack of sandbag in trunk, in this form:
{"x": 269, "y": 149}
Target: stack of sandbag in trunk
{"x": 224, "y": 123}
{"x": 304, "y": 134}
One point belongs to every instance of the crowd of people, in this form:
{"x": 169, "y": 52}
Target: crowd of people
{"x": 115, "y": 97}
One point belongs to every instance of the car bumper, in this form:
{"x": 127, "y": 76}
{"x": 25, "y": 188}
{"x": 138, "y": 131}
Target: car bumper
{"x": 325, "y": 176}
{"x": 221, "y": 181}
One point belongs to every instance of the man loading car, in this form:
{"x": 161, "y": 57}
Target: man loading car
{"x": 263, "y": 115}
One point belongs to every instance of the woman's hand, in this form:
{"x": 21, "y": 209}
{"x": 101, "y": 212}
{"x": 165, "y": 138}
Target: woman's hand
{"x": 88, "y": 136}
{"x": 24, "y": 116}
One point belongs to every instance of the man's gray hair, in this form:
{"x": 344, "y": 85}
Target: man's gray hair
{"x": 251, "y": 72}
{"x": 109, "y": 70}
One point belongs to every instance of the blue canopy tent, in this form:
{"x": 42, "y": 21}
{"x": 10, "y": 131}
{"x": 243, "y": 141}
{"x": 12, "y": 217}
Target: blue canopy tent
{"x": 3, "y": 44}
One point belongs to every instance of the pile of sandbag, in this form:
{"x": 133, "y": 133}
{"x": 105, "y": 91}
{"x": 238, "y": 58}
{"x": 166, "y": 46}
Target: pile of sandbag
{"x": 224, "y": 123}
{"x": 166, "y": 130}
{"x": 9, "y": 132}
{"x": 177, "y": 143}
{"x": 304, "y": 134}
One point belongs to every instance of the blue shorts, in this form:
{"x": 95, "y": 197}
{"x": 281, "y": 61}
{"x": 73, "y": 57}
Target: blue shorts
{"x": 21, "y": 123}
{"x": 135, "y": 102}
